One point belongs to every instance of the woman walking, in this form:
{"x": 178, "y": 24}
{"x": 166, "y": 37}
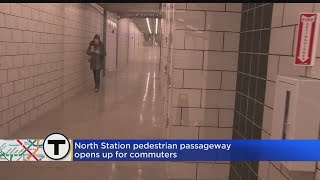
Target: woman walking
{"x": 96, "y": 51}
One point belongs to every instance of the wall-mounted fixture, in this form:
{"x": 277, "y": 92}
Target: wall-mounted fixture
{"x": 296, "y": 114}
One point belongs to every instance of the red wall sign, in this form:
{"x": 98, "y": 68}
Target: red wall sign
{"x": 307, "y": 42}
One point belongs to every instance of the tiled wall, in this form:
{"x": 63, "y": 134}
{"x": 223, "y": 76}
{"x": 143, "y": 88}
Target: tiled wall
{"x": 258, "y": 68}
{"x": 283, "y": 38}
{"x": 251, "y": 81}
{"x": 123, "y": 43}
{"x": 204, "y": 64}
{"x": 131, "y": 41}
{"x": 134, "y": 37}
{"x": 111, "y": 44}
{"x": 42, "y": 58}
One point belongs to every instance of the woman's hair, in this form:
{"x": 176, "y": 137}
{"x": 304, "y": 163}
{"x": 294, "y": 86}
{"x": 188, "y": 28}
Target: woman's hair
{"x": 97, "y": 37}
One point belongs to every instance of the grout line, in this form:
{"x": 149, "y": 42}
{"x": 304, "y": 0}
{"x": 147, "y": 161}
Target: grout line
{"x": 294, "y": 39}
{"x": 208, "y": 30}
{"x": 204, "y": 89}
{"x": 282, "y": 17}
{"x": 182, "y": 77}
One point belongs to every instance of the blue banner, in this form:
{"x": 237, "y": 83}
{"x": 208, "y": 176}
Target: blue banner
{"x": 196, "y": 150}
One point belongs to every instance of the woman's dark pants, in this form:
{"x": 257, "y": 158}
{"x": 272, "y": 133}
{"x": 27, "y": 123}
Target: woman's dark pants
{"x": 96, "y": 75}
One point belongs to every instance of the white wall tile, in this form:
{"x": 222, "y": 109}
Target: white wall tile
{"x": 317, "y": 176}
{"x": 18, "y": 86}
{"x": 7, "y": 89}
{"x": 277, "y": 14}
{"x": 281, "y": 41}
{"x": 5, "y": 8}
{"x": 187, "y": 59}
{"x": 226, "y": 118}
{"x": 267, "y": 119}
{"x": 11, "y": 21}
{"x": 223, "y": 21}
{"x": 5, "y": 34}
{"x": 16, "y": 9}
{"x": 24, "y": 119}
{"x": 6, "y": 62}
{"x": 215, "y": 133}
{"x": 26, "y": 12}
{"x": 12, "y": 48}
{"x": 273, "y": 63}
{"x": 3, "y": 129}
{"x": 292, "y": 11}
{"x": 3, "y": 48}
{"x": 207, "y": 6}
{"x": 297, "y": 175}
{"x": 270, "y": 93}
{"x": 3, "y": 76}
{"x": 191, "y": 20}
{"x": 265, "y": 135}
{"x": 231, "y": 41}
{"x": 314, "y": 72}
{"x": 7, "y": 115}
{"x": 220, "y": 60}
{"x": 14, "y": 125}
{"x": 13, "y": 74}
{"x": 213, "y": 171}
{"x": 180, "y": 6}
{"x": 18, "y": 110}
{"x": 175, "y": 116}
{"x": 28, "y": 105}
{"x": 186, "y": 97}
{"x": 275, "y": 174}
{"x": 192, "y": 79}
{"x": 179, "y": 38}
{"x": 183, "y": 132}
{"x": 286, "y": 67}
{"x": 17, "y": 61}
{"x": 177, "y": 78}
{"x": 234, "y": 7}
{"x": 2, "y": 20}
{"x": 229, "y": 80}
{"x": 35, "y": 15}
{"x": 204, "y": 40}
{"x": 218, "y": 99}
{"x": 180, "y": 170}
{"x": 263, "y": 171}
{"x": 211, "y": 80}
{"x": 24, "y": 49}
{"x": 200, "y": 117}
{"x": 4, "y": 103}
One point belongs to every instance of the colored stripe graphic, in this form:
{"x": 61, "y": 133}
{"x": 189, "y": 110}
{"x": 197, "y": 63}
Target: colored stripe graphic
{"x": 27, "y": 150}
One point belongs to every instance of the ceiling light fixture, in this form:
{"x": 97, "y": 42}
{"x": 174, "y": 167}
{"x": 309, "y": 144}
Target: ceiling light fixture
{"x": 156, "y": 25}
{"x": 148, "y": 25}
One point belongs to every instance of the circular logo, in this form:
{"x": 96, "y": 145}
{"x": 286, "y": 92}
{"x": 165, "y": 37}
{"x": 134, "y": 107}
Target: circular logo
{"x": 56, "y": 146}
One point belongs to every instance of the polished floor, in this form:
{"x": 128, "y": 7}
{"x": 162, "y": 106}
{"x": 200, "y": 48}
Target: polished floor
{"x": 127, "y": 107}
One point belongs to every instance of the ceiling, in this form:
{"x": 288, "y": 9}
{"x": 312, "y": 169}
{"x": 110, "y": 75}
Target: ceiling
{"x": 129, "y": 9}
{"x": 143, "y": 26}
{"x": 138, "y": 12}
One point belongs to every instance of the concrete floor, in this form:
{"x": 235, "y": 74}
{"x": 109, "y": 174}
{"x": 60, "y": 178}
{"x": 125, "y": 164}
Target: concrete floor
{"x": 127, "y": 107}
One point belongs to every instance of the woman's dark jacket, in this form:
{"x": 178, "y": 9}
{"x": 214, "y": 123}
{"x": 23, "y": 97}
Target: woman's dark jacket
{"x": 97, "y": 61}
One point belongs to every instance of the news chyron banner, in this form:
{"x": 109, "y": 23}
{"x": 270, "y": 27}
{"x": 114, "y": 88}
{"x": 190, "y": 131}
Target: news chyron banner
{"x": 57, "y": 147}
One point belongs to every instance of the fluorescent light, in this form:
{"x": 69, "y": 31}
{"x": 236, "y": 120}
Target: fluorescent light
{"x": 148, "y": 25}
{"x": 156, "y": 25}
